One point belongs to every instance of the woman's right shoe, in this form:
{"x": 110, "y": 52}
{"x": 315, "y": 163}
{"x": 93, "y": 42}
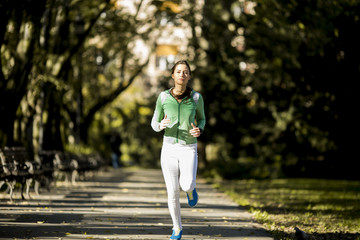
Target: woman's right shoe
{"x": 192, "y": 198}
{"x": 174, "y": 236}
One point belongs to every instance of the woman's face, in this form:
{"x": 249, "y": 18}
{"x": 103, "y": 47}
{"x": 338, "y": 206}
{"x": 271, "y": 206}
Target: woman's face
{"x": 181, "y": 75}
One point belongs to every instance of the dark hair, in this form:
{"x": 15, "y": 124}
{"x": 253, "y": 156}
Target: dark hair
{"x": 178, "y": 63}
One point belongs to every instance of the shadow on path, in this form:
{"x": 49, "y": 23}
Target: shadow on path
{"x": 123, "y": 204}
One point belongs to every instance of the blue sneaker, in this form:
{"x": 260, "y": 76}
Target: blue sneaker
{"x": 192, "y": 198}
{"x": 173, "y": 236}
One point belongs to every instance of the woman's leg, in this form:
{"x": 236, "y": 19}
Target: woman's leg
{"x": 170, "y": 169}
{"x": 188, "y": 167}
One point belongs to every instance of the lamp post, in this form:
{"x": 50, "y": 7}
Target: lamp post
{"x": 79, "y": 31}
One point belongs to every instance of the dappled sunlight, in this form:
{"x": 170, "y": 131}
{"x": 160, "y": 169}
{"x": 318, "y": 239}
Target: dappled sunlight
{"x": 313, "y": 205}
{"x": 277, "y": 78}
{"x": 127, "y": 204}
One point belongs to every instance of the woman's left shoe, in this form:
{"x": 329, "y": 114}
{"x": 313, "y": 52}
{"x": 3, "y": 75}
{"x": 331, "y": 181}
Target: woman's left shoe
{"x": 192, "y": 198}
{"x": 174, "y": 236}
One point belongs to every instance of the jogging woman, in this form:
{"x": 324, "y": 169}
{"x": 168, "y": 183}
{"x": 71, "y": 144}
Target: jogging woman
{"x": 180, "y": 111}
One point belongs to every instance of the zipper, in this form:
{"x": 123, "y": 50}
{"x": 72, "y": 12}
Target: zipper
{"x": 177, "y": 129}
{"x": 178, "y": 124}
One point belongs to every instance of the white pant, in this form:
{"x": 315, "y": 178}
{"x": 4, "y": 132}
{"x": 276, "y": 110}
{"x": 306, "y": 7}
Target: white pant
{"x": 179, "y": 167}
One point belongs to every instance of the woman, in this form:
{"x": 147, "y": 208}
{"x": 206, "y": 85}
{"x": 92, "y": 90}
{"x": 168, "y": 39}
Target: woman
{"x": 180, "y": 111}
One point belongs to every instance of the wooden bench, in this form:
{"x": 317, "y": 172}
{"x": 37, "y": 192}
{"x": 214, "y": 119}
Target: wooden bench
{"x": 87, "y": 164}
{"x": 17, "y": 166}
{"x": 5, "y": 173}
{"x": 47, "y": 159}
{"x": 74, "y": 166}
{"x": 67, "y": 166}
{"x": 64, "y": 166}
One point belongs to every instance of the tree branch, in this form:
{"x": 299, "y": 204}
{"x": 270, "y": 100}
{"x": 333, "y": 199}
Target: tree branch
{"x": 109, "y": 98}
{"x": 74, "y": 49}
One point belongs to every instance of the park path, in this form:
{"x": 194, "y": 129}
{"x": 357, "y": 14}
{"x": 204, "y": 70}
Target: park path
{"x": 123, "y": 204}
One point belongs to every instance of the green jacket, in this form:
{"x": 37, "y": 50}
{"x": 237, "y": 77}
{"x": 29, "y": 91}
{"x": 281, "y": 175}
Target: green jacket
{"x": 189, "y": 110}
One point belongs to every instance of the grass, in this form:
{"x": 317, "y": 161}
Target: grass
{"x": 325, "y": 209}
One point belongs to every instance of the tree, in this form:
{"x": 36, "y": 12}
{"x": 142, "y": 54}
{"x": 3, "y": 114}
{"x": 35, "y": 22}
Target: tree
{"x": 113, "y": 57}
{"x": 300, "y": 47}
{"x": 41, "y": 52}
{"x": 19, "y": 37}
{"x": 271, "y": 81}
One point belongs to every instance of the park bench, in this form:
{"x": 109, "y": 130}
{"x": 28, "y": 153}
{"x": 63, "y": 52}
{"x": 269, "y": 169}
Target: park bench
{"x": 5, "y": 173}
{"x": 57, "y": 165}
{"x": 47, "y": 159}
{"x": 64, "y": 166}
{"x": 87, "y": 164}
{"x": 17, "y": 167}
{"x": 72, "y": 166}
{"x": 67, "y": 166}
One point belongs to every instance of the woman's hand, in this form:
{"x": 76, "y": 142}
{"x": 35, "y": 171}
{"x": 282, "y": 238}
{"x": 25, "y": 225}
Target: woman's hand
{"x": 195, "y": 132}
{"x": 164, "y": 123}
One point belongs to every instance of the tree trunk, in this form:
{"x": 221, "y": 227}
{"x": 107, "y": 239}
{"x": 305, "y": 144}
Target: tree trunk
{"x": 52, "y": 134}
{"x": 7, "y": 119}
{"x": 202, "y": 155}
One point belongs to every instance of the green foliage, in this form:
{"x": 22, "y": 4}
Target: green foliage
{"x": 277, "y": 84}
{"x": 80, "y": 149}
{"x": 325, "y": 209}
{"x": 130, "y": 115}
{"x": 277, "y": 78}
{"x": 299, "y": 57}
{"x": 72, "y": 58}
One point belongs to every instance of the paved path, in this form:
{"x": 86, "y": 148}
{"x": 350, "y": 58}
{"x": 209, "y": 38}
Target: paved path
{"x": 123, "y": 204}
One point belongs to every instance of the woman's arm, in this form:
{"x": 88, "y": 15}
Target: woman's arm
{"x": 158, "y": 115}
{"x": 200, "y": 114}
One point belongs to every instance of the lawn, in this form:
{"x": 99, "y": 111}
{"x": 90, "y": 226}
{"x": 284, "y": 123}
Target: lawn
{"x": 325, "y": 209}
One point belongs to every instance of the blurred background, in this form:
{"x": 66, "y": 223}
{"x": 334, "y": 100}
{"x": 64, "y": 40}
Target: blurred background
{"x": 278, "y": 79}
